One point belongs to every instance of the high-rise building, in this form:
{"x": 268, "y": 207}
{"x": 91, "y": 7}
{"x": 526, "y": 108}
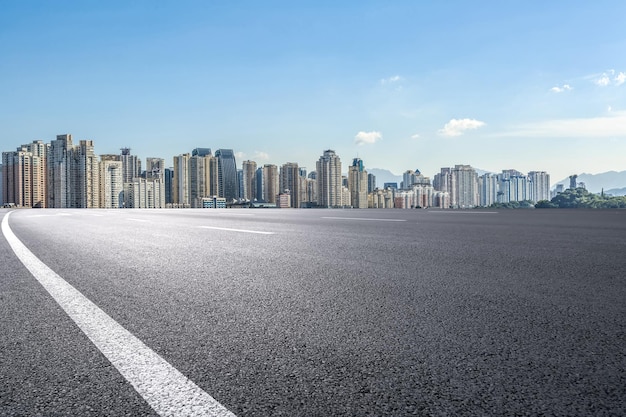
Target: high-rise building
{"x": 488, "y": 189}
{"x": 227, "y": 174}
{"x": 572, "y": 181}
{"x": 260, "y": 185}
{"x": 539, "y": 185}
{"x": 290, "y": 180}
{"x": 17, "y": 167}
{"x": 59, "y": 186}
{"x": 197, "y": 184}
{"x": 465, "y": 186}
{"x": 371, "y": 183}
{"x": 357, "y": 184}
{"x": 201, "y": 152}
{"x": 1, "y": 184}
{"x": 249, "y": 170}
{"x": 85, "y": 178}
{"x": 169, "y": 179}
{"x": 24, "y": 175}
{"x": 155, "y": 168}
{"x": 271, "y": 183}
{"x": 329, "y": 182}
{"x": 145, "y": 193}
{"x": 111, "y": 183}
{"x": 180, "y": 182}
{"x": 131, "y": 165}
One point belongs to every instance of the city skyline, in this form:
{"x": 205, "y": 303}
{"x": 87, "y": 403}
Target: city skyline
{"x": 527, "y": 86}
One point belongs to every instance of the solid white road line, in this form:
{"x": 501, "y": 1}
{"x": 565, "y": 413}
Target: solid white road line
{"x": 365, "y": 219}
{"x": 463, "y": 212}
{"x": 137, "y": 220}
{"x": 237, "y": 230}
{"x": 168, "y": 392}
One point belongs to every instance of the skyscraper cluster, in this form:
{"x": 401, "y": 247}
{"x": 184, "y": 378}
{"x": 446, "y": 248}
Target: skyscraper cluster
{"x": 62, "y": 174}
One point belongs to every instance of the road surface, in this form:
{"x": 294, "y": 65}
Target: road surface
{"x": 318, "y": 312}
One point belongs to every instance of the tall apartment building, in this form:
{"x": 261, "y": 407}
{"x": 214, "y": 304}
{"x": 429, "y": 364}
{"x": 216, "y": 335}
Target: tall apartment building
{"x": 155, "y": 168}
{"x": 16, "y": 187}
{"x": 488, "y": 189}
{"x": 271, "y": 183}
{"x": 73, "y": 174}
{"x": 540, "y": 185}
{"x": 59, "y": 186}
{"x": 371, "y": 183}
{"x": 290, "y": 180}
{"x": 85, "y": 177}
{"x": 357, "y": 184}
{"x": 465, "y": 186}
{"x": 145, "y": 193}
{"x": 111, "y": 182}
{"x": 180, "y": 182}
{"x": 227, "y": 174}
{"x": 328, "y": 171}
{"x": 131, "y": 165}
{"x": 249, "y": 180}
{"x": 1, "y": 184}
{"x": 24, "y": 176}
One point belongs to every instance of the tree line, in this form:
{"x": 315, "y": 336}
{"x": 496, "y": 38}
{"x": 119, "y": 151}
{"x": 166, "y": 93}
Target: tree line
{"x": 571, "y": 198}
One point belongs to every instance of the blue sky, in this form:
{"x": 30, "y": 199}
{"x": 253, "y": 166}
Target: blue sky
{"x": 498, "y": 85}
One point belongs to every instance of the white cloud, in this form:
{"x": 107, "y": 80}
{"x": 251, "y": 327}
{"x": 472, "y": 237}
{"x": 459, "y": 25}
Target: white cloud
{"x": 557, "y": 89}
{"x": 240, "y": 156}
{"x": 415, "y": 136}
{"x": 611, "y": 126}
{"x": 456, "y": 127}
{"x": 620, "y": 79}
{"x": 362, "y": 138}
{"x": 262, "y": 156}
{"x": 603, "y": 81}
{"x": 390, "y": 80}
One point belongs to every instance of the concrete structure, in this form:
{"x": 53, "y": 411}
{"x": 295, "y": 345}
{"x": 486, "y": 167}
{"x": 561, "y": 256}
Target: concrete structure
{"x": 144, "y": 193}
{"x": 249, "y": 169}
{"x": 290, "y": 180}
{"x": 539, "y": 185}
{"x": 180, "y": 183}
{"x": 271, "y": 183}
{"x": 111, "y": 182}
{"x": 488, "y": 189}
{"x": 464, "y": 187}
{"x": 328, "y": 169}
{"x": 227, "y": 174}
{"x": 357, "y": 184}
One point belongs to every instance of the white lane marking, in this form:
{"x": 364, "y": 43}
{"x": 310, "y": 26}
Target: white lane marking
{"x": 169, "y": 392}
{"x": 237, "y": 230}
{"x": 464, "y": 212}
{"x": 137, "y": 220}
{"x": 365, "y": 219}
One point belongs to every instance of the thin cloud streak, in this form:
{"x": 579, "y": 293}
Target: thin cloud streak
{"x": 591, "y": 128}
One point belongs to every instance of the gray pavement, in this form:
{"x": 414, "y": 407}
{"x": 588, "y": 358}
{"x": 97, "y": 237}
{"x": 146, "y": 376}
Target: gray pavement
{"x": 339, "y": 312}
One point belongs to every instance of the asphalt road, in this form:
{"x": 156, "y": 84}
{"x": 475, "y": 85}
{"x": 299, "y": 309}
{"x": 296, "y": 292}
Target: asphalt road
{"x": 326, "y": 312}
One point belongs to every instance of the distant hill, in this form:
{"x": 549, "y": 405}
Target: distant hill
{"x": 383, "y": 176}
{"x": 616, "y": 191}
{"x": 596, "y": 182}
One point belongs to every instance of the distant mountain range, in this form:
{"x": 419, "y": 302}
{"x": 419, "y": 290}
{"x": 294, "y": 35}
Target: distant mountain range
{"x": 612, "y": 182}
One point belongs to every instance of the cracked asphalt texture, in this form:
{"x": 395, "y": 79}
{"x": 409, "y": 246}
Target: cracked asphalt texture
{"x": 444, "y": 313}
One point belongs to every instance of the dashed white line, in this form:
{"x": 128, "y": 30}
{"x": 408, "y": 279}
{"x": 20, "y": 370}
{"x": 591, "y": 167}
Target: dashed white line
{"x": 237, "y": 230}
{"x": 365, "y": 219}
{"x": 169, "y": 392}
